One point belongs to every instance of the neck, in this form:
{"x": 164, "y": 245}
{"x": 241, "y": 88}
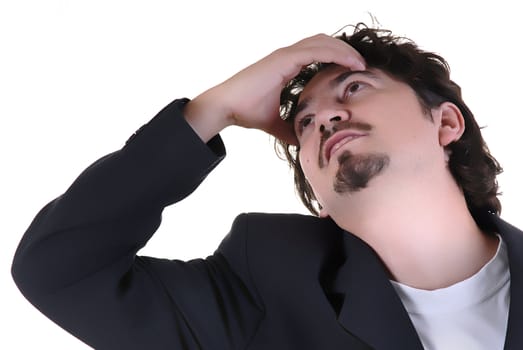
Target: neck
{"x": 426, "y": 239}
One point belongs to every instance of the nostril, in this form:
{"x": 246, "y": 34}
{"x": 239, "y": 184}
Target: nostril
{"x": 322, "y": 128}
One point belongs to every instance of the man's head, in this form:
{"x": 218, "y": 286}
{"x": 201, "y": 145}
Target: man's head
{"x": 401, "y": 115}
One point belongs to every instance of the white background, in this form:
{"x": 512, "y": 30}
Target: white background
{"x": 78, "y": 77}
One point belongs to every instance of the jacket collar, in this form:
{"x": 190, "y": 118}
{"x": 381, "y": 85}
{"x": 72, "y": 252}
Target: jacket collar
{"x": 514, "y": 240}
{"x": 372, "y": 311}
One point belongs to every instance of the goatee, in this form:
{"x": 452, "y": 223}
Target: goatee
{"x": 355, "y": 171}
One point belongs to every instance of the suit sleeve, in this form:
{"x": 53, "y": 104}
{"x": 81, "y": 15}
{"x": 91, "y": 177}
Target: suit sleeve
{"x": 77, "y": 261}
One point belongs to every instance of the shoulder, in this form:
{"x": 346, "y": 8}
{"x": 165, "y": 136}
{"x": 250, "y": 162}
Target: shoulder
{"x": 267, "y": 230}
{"x": 282, "y": 244}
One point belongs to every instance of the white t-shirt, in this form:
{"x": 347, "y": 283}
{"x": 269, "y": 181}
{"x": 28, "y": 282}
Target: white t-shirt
{"x": 469, "y": 315}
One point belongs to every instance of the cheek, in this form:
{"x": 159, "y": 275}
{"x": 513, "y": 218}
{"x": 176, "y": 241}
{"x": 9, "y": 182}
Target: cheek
{"x": 306, "y": 165}
{"x": 309, "y": 166}
{"x": 305, "y": 155}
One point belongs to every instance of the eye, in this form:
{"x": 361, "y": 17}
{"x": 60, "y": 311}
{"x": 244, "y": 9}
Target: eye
{"x": 303, "y": 122}
{"x": 353, "y": 87}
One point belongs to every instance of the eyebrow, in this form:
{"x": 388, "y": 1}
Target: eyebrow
{"x": 333, "y": 84}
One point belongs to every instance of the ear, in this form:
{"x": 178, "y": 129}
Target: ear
{"x": 451, "y": 123}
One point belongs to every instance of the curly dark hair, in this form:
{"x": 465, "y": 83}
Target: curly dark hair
{"x": 428, "y": 74}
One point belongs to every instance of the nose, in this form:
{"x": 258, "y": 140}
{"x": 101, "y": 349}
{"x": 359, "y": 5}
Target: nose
{"x": 328, "y": 118}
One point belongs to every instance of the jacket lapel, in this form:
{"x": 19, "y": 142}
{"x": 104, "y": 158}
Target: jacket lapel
{"x": 514, "y": 240}
{"x": 371, "y": 309}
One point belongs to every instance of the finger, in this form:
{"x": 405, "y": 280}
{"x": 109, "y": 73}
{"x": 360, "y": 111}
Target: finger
{"x": 323, "y": 48}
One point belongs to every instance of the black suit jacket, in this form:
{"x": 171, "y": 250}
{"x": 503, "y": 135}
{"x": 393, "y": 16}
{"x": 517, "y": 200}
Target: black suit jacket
{"x": 275, "y": 282}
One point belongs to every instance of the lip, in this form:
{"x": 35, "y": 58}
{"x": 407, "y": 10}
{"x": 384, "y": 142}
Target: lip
{"x": 338, "y": 139}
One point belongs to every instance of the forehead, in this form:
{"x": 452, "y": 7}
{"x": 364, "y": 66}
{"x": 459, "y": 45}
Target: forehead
{"x": 333, "y": 75}
{"x": 326, "y": 73}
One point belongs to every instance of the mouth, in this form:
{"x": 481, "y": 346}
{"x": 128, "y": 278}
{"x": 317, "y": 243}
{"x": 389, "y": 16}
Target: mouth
{"x": 338, "y": 139}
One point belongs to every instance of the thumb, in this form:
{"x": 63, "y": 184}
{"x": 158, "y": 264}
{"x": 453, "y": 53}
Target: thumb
{"x": 284, "y": 131}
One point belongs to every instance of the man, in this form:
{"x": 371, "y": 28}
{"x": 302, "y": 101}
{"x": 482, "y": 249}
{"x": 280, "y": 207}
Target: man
{"x": 408, "y": 252}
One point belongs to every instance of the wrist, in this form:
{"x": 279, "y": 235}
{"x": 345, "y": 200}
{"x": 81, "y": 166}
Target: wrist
{"x": 206, "y": 117}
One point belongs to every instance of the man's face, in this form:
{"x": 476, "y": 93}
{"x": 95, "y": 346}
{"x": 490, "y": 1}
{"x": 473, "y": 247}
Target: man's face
{"x": 361, "y": 130}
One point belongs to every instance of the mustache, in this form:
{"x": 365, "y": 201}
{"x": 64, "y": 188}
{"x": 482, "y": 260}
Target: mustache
{"x": 345, "y": 124}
